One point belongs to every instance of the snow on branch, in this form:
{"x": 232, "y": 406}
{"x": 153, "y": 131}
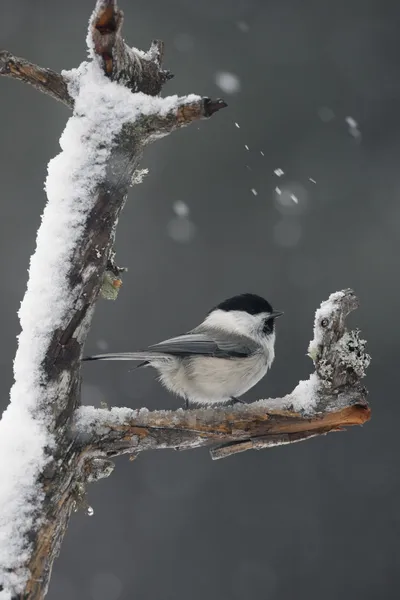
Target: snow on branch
{"x": 331, "y": 399}
{"x": 42, "y": 472}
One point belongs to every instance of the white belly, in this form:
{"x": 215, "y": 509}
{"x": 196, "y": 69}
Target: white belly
{"x": 207, "y": 380}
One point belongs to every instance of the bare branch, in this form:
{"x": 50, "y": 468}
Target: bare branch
{"x": 45, "y": 80}
{"x": 189, "y": 109}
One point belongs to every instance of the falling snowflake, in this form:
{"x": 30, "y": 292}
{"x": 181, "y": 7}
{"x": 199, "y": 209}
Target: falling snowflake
{"x": 181, "y": 209}
{"x": 353, "y": 128}
{"x": 228, "y": 82}
{"x": 326, "y": 114}
{"x": 181, "y": 230}
{"x": 102, "y": 344}
{"x": 243, "y": 26}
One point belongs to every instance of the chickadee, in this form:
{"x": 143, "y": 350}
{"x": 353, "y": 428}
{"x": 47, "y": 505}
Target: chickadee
{"x": 219, "y": 360}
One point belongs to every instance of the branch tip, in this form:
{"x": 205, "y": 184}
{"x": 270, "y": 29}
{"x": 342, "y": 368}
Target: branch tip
{"x": 156, "y": 51}
{"x": 108, "y": 18}
{"x": 213, "y": 106}
{"x": 168, "y": 75}
{"x": 45, "y": 80}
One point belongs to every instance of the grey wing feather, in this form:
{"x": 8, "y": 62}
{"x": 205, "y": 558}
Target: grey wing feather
{"x": 207, "y": 344}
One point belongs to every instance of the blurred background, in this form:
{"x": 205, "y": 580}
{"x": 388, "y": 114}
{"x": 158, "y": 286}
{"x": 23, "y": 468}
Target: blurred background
{"x": 292, "y": 193}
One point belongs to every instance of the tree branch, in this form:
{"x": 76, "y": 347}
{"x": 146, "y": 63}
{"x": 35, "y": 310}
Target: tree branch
{"x": 189, "y": 109}
{"x": 137, "y": 70}
{"x": 331, "y": 399}
{"x": 121, "y": 431}
{"x": 45, "y": 80}
{"x": 134, "y": 69}
{"x": 87, "y": 186}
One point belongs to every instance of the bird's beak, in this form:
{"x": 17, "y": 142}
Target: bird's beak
{"x": 275, "y": 314}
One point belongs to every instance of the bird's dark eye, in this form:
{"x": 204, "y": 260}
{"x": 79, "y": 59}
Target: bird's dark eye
{"x": 268, "y": 326}
{"x": 324, "y": 322}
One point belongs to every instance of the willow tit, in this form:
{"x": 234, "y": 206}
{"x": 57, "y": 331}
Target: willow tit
{"x": 220, "y": 359}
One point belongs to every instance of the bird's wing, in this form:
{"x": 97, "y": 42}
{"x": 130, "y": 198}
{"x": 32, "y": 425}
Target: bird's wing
{"x": 206, "y": 344}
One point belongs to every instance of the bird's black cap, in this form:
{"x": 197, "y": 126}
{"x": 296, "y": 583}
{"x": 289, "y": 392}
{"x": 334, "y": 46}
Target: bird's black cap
{"x": 250, "y": 303}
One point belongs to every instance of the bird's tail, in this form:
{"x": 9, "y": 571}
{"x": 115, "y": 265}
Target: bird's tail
{"x": 142, "y": 356}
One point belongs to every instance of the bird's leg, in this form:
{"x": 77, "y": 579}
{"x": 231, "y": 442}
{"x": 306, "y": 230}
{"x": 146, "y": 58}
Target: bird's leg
{"x": 186, "y": 404}
{"x": 234, "y": 401}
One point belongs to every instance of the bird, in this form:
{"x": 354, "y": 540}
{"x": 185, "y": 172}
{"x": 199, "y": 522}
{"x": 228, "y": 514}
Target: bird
{"x": 219, "y": 360}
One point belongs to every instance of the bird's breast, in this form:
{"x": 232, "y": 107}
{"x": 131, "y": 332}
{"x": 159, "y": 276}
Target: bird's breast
{"x": 218, "y": 377}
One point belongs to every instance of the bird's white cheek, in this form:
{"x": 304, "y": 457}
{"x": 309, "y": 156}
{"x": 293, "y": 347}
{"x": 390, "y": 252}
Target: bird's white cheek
{"x": 269, "y": 348}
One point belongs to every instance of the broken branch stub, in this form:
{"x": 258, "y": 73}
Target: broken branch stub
{"x": 339, "y": 355}
{"x": 139, "y": 71}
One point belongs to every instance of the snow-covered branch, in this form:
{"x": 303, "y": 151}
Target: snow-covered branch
{"x": 42, "y": 472}
{"x": 330, "y": 400}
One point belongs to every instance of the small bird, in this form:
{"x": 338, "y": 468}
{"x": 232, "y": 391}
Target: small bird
{"x": 220, "y": 359}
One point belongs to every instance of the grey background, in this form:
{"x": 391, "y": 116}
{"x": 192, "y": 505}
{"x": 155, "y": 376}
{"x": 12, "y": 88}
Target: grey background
{"x": 315, "y": 520}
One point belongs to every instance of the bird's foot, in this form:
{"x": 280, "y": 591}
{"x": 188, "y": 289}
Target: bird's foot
{"x": 234, "y": 401}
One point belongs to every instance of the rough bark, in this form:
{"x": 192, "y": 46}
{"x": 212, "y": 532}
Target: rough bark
{"x": 253, "y": 426}
{"x": 45, "y": 80}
